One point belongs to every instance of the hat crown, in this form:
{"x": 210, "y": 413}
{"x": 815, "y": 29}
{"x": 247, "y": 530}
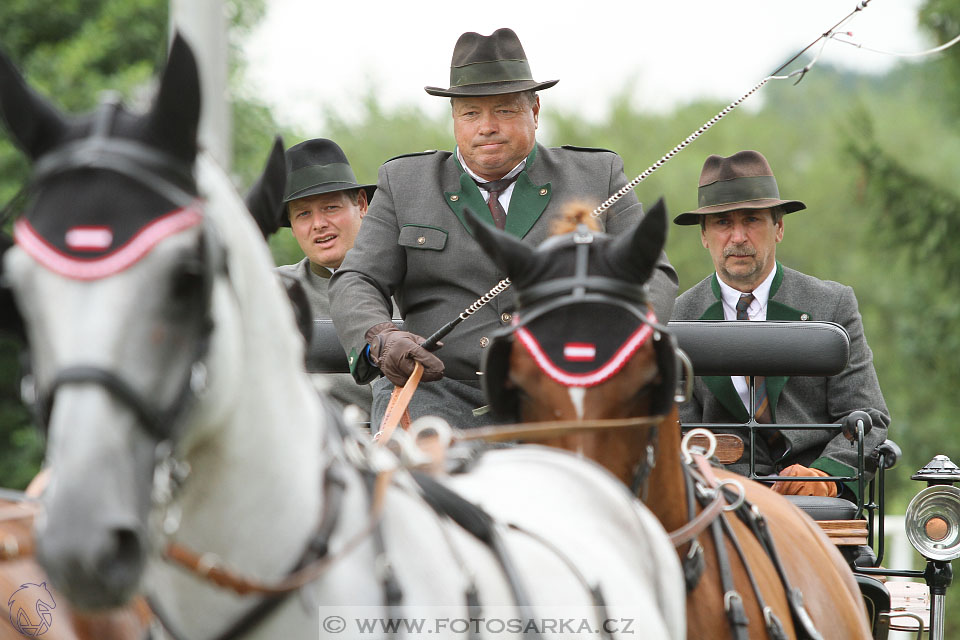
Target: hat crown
{"x": 743, "y": 164}
{"x": 472, "y": 47}
{"x": 489, "y": 65}
{"x": 319, "y": 151}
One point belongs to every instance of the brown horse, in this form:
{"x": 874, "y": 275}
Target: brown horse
{"x": 585, "y": 354}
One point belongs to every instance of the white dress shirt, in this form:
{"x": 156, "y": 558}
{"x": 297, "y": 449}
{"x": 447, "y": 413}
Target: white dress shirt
{"x": 505, "y": 196}
{"x": 757, "y": 311}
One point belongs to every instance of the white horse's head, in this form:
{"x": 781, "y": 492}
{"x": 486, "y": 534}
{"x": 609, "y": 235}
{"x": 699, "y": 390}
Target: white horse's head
{"x": 145, "y": 289}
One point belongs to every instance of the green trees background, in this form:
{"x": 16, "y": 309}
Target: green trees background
{"x": 874, "y": 157}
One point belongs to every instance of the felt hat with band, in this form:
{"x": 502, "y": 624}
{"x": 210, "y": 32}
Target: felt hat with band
{"x": 741, "y": 181}
{"x": 489, "y": 66}
{"x": 318, "y": 166}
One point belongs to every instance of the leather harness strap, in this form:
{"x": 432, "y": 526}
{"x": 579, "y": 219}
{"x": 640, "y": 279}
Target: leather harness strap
{"x": 397, "y": 412}
{"x": 535, "y": 430}
{"x": 210, "y": 568}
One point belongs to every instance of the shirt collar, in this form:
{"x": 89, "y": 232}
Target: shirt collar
{"x": 517, "y": 169}
{"x": 761, "y": 295}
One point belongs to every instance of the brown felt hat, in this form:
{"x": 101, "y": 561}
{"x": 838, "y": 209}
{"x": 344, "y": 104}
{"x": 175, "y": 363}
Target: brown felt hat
{"x": 489, "y": 66}
{"x": 741, "y": 181}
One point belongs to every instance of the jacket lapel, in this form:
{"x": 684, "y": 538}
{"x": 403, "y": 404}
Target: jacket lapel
{"x": 722, "y": 386}
{"x": 467, "y": 196}
{"x": 779, "y": 311}
{"x": 527, "y": 202}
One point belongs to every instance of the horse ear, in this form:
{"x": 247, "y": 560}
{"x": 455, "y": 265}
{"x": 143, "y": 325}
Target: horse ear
{"x": 34, "y": 124}
{"x": 508, "y": 253}
{"x": 176, "y": 112}
{"x": 635, "y": 254}
{"x": 265, "y": 198}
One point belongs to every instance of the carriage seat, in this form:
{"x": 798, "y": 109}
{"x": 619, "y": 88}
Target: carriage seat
{"x": 820, "y": 508}
{"x": 733, "y": 348}
{"x": 324, "y": 353}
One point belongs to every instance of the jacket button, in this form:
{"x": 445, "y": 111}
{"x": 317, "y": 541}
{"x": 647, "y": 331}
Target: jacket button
{"x": 421, "y": 240}
{"x": 484, "y": 341}
{"x": 804, "y": 316}
{"x": 543, "y": 191}
{"x": 505, "y": 317}
{"x": 454, "y": 198}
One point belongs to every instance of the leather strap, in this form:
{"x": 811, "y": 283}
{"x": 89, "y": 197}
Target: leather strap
{"x": 396, "y": 412}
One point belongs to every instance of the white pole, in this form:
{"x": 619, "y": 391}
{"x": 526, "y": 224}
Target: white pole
{"x": 203, "y": 23}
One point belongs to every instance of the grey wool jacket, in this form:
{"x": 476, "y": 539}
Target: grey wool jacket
{"x": 796, "y": 400}
{"x": 414, "y": 245}
{"x": 340, "y": 386}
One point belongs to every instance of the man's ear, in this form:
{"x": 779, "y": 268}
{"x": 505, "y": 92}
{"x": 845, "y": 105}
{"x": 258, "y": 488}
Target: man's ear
{"x": 362, "y": 202}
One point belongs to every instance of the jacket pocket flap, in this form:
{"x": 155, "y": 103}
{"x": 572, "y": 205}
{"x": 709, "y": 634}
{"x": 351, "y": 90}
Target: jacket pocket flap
{"x": 422, "y": 237}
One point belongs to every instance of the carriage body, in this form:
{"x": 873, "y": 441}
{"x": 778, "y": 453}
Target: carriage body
{"x": 857, "y": 528}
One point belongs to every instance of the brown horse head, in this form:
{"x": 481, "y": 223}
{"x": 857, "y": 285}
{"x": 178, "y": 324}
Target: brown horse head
{"x": 584, "y": 344}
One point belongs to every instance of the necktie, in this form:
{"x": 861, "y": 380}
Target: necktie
{"x": 495, "y": 188}
{"x": 763, "y": 405}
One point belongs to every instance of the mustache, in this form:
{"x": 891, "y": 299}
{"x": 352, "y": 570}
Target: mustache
{"x": 739, "y": 251}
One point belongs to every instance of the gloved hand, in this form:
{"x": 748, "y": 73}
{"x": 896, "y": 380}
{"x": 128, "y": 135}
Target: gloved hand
{"x": 805, "y": 488}
{"x": 394, "y": 352}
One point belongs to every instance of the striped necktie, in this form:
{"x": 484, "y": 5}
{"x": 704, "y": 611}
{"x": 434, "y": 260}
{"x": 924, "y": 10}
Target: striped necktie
{"x": 763, "y": 405}
{"x": 496, "y": 187}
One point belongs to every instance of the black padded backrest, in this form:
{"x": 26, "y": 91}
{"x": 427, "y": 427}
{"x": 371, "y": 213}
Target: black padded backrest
{"x": 324, "y": 353}
{"x": 741, "y": 348}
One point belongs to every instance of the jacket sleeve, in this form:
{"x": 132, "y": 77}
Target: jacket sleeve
{"x": 664, "y": 283}
{"x": 855, "y": 388}
{"x": 360, "y": 289}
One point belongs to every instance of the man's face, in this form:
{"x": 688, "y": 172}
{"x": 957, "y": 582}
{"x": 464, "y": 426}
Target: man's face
{"x": 326, "y": 225}
{"x": 743, "y": 245}
{"x": 494, "y": 133}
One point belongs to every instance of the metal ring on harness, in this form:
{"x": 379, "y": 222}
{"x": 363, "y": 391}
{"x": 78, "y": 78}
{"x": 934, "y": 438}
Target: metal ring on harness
{"x": 685, "y": 444}
{"x": 741, "y": 491}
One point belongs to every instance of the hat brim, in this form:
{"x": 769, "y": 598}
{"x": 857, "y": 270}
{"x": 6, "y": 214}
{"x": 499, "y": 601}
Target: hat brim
{"x": 693, "y": 217}
{"x": 319, "y": 189}
{"x": 490, "y": 88}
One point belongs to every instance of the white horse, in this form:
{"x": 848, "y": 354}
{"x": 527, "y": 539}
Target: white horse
{"x": 169, "y": 377}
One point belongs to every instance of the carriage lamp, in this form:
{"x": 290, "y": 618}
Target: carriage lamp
{"x": 933, "y": 528}
{"x": 933, "y": 516}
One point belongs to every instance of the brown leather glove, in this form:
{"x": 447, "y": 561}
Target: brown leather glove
{"x": 394, "y": 352}
{"x": 805, "y": 488}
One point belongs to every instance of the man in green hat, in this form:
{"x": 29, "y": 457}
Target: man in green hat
{"x": 415, "y": 245}
{"x": 741, "y": 222}
{"x": 324, "y": 206}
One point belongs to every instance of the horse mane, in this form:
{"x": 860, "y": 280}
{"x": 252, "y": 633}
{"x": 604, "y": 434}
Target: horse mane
{"x": 574, "y": 214}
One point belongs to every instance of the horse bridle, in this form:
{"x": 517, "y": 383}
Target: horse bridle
{"x": 173, "y": 180}
{"x": 582, "y": 288}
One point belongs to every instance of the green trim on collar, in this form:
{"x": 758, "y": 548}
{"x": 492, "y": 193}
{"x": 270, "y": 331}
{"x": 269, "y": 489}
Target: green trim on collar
{"x": 715, "y": 287}
{"x": 468, "y": 196}
{"x": 835, "y": 468}
{"x": 527, "y": 204}
{"x": 726, "y": 394}
{"x": 320, "y": 271}
{"x": 777, "y": 280}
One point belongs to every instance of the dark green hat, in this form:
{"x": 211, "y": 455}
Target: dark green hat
{"x": 741, "y": 181}
{"x": 489, "y": 66}
{"x": 318, "y": 166}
